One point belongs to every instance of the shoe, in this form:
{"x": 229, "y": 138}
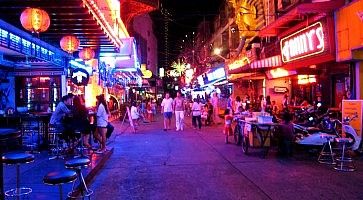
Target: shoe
{"x": 99, "y": 151}
{"x": 164, "y": 129}
{"x": 177, "y": 129}
{"x": 181, "y": 129}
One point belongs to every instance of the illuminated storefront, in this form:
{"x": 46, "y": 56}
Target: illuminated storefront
{"x": 310, "y": 51}
{"x": 123, "y": 69}
{"x": 349, "y": 26}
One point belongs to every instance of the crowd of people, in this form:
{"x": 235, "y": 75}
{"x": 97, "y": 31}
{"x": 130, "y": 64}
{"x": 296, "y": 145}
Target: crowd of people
{"x": 71, "y": 116}
{"x": 203, "y": 111}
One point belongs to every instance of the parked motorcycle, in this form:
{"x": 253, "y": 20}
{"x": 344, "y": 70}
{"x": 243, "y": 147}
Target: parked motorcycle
{"x": 315, "y": 136}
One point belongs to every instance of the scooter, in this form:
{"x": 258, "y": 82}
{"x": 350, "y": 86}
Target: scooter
{"x": 313, "y": 136}
{"x": 350, "y": 132}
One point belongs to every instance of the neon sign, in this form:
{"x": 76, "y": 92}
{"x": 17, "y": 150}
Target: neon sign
{"x": 306, "y": 42}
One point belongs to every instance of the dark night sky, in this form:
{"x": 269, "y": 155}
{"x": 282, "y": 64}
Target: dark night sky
{"x": 186, "y": 15}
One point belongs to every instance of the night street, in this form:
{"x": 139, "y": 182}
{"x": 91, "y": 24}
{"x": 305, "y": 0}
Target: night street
{"x": 232, "y": 99}
{"x": 153, "y": 164}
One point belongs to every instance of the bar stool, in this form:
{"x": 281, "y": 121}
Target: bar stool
{"x": 59, "y": 178}
{"x": 326, "y": 155}
{"x": 344, "y": 162}
{"x": 17, "y": 159}
{"x": 54, "y": 138}
{"x": 80, "y": 147}
{"x": 77, "y": 164}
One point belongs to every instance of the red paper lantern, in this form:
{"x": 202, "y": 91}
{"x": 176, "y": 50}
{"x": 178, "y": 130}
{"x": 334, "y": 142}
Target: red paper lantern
{"x": 35, "y": 20}
{"x": 69, "y": 43}
{"x": 86, "y": 54}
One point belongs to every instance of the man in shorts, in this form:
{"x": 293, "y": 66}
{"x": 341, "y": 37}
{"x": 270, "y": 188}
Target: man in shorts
{"x": 167, "y": 109}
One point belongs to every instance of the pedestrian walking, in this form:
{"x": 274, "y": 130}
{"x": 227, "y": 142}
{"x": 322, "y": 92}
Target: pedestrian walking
{"x": 153, "y": 109}
{"x": 228, "y": 124}
{"x": 167, "y": 109}
{"x": 179, "y": 108}
{"x": 135, "y": 115}
{"x": 215, "y": 102}
{"x": 196, "y": 114}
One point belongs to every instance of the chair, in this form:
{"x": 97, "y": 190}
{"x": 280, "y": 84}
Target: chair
{"x": 77, "y": 164}
{"x": 59, "y": 178}
{"x": 326, "y": 155}
{"x": 17, "y": 159}
{"x": 344, "y": 162}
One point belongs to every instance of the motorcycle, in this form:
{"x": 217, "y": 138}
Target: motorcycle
{"x": 316, "y": 136}
{"x": 351, "y": 133}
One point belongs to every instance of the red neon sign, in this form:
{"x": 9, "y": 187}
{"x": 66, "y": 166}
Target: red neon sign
{"x": 306, "y": 42}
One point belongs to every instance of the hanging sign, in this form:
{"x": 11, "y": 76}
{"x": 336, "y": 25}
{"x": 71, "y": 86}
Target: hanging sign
{"x": 80, "y": 77}
{"x": 306, "y": 42}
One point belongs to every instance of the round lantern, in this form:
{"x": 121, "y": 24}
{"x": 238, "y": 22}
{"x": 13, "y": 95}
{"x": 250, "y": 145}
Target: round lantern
{"x": 69, "y": 43}
{"x": 35, "y": 20}
{"x": 86, "y": 54}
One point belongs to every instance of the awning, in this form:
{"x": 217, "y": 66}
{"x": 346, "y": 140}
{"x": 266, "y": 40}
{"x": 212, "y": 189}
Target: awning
{"x": 281, "y": 23}
{"x": 273, "y": 61}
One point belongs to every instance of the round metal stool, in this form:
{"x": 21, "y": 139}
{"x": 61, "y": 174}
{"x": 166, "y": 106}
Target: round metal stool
{"x": 344, "y": 162}
{"x": 59, "y": 178}
{"x": 17, "y": 159}
{"x": 326, "y": 155}
{"x": 77, "y": 164}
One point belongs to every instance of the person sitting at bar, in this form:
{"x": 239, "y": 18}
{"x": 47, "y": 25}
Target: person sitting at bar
{"x": 81, "y": 122}
{"x": 56, "y": 120}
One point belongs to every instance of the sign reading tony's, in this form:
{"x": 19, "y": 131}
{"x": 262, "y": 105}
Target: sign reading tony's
{"x": 303, "y": 43}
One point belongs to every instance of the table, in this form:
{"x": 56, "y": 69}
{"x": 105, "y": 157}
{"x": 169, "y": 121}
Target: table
{"x": 264, "y": 131}
{"x": 6, "y": 135}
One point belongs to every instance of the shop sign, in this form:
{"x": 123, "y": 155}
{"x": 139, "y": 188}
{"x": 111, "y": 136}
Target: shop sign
{"x": 217, "y": 74}
{"x": 278, "y": 89}
{"x": 305, "y": 79}
{"x": 353, "y": 108}
{"x": 80, "y": 77}
{"x": 306, "y": 42}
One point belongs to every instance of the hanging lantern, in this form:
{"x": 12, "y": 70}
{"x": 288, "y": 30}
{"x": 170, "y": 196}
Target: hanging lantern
{"x": 69, "y": 43}
{"x": 35, "y": 20}
{"x": 86, "y": 54}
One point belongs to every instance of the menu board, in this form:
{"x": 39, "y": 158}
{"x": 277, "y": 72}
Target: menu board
{"x": 351, "y": 108}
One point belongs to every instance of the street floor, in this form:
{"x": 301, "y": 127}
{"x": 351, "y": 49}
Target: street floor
{"x": 193, "y": 164}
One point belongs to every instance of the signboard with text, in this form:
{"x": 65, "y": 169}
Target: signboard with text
{"x": 303, "y": 43}
{"x": 353, "y": 108}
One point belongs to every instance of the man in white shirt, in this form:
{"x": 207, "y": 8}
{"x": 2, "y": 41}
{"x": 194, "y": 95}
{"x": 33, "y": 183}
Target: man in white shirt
{"x": 179, "y": 107}
{"x": 167, "y": 109}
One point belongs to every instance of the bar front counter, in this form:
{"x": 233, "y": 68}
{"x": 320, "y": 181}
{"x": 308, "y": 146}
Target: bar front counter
{"x": 33, "y": 127}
